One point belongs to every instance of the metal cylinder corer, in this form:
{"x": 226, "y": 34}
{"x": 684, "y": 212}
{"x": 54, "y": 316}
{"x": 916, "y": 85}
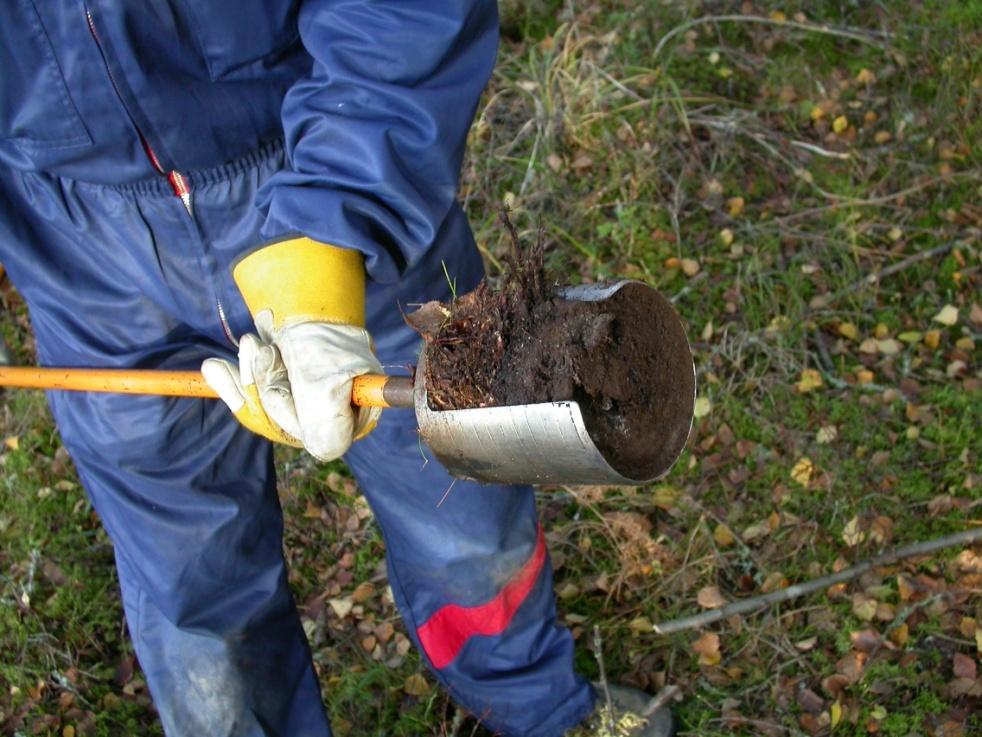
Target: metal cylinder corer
{"x": 549, "y": 443}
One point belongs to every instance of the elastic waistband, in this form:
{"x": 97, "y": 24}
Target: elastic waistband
{"x": 160, "y": 185}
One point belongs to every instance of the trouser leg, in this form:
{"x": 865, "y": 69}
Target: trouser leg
{"x": 467, "y": 562}
{"x": 123, "y": 279}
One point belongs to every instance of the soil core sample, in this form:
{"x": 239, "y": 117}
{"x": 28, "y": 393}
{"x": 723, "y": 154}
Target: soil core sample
{"x": 624, "y": 360}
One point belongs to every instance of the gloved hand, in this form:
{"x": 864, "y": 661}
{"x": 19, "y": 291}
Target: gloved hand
{"x": 293, "y": 381}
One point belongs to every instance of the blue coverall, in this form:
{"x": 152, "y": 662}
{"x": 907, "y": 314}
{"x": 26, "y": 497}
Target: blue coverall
{"x": 144, "y": 147}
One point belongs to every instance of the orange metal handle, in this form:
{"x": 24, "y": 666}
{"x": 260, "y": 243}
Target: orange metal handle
{"x": 367, "y": 391}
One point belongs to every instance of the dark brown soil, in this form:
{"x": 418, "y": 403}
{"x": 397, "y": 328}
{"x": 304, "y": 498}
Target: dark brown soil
{"x": 624, "y": 360}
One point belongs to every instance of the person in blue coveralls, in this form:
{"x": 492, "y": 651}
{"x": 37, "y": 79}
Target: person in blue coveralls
{"x": 253, "y": 187}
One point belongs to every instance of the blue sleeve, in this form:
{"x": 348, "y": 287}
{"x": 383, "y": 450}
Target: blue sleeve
{"x": 375, "y": 132}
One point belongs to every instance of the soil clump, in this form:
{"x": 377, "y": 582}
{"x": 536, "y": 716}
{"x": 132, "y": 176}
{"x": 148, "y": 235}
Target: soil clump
{"x": 524, "y": 343}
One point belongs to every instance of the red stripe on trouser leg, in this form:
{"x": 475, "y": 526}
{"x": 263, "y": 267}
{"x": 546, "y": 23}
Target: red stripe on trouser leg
{"x": 448, "y": 630}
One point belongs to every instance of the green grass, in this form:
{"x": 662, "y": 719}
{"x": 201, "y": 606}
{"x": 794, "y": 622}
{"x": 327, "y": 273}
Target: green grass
{"x": 627, "y": 162}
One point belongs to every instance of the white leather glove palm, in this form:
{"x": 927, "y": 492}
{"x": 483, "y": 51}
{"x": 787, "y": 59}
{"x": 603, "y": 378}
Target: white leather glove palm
{"x": 293, "y": 385}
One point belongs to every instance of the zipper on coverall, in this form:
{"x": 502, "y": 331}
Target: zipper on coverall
{"x": 178, "y": 182}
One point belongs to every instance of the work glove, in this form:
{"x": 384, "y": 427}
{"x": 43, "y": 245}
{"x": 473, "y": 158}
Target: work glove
{"x": 293, "y": 380}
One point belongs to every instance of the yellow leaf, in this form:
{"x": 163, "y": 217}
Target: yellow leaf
{"x": 416, "y": 685}
{"x": 869, "y": 345}
{"x": 836, "y": 714}
{"x": 848, "y": 330}
{"x": 809, "y": 381}
{"x": 665, "y": 497}
{"x": 851, "y": 534}
{"x": 965, "y": 344}
{"x": 68, "y": 731}
{"x": 932, "y": 339}
{"x": 899, "y": 634}
{"x": 882, "y": 137}
{"x": 735, "y": 206}
{"x": 910, "y": 336}
{"x": 726, "y": 235}
{"x": 826, "y": 434}
{"x": 13, "y": 442}
{"x": 864, "y": 376}
{"x": 865, "y": 76}
{"x": 703, "y": 406}
{"x": 864, "y": 607}
{"x": 895, "y": 234}
{"x": 978, "y": 640}
{"x": 840, "y": 124}
{"x": 888, "y": 347}
{"x": 948, "y": 315}
{"x": 802, "y": 471}
{"x": 641, "y": 626}
{"x": 817, "y": 113}
{"x": 778, "y": 16}
{"x": 723, "y": 536}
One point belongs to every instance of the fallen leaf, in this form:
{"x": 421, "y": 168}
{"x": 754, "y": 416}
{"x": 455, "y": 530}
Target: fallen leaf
{"x": 848, "y": 330}
{"x": 710, "y": 597}
{"x": 757, "y": 531}
{"x": 964, "y": 666}
{"x": 882, "y": 137}
{"x": 723, "y": 536}
{"x": 690, "y": 267}
{"x": 641, "y": 626}
{"x": 826, "y": 434}
{"x": 864, "y": 607}
{"x": 13, "y": 442}
{"x": 910, "y": 336}
{"x": 865, "y": 76}
{"x": 802, "y": 471}
{"x": 342, "y": 607}
{"x": 840, "y": 124}
{"x": 835, "y": 713}
{"x": 851, "y": 665}
{"x": 888, "y": 347}
{"x": 363, "y": 593}
{"x": 809, "y": 381}
{"x": 947, "y": 316}
{"x": 416, "y": 685}
{"x": 851, "y": 534}
{"x": 726, "y": 235}
{"x": 775, "y": 580}
{"x": 866, "y": 641}
{"x": 702, "y": 407}
{"x": 899, "y": 634}
{"x": 932, "y": 339}
{"x": 707, "y": 647}
{"x": 735, "y": 206}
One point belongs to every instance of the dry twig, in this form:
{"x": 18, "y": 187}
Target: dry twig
{"x": 876, "y": 278}
{"x": 745, "y": 606}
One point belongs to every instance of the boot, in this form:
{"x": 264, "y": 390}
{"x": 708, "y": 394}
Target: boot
{"x": 625, "y": 710}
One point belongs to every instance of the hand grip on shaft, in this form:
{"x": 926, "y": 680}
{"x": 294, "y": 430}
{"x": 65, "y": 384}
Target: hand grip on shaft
{"x": 369, "y": 390}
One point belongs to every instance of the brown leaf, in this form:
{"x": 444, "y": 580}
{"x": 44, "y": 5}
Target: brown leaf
{"x": 851, "y": 666}
{"x": 363, "y": 593}
{"x": 710, "y": 597}
{"x": 865, "y": 641}
{"x": 810, "y": 701}
{"x": 707, "y": 648}
{"x": 964, "y": 666}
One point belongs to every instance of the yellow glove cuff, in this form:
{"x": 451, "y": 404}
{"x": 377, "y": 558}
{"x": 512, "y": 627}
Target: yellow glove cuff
{"x": 301, "y": 280}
